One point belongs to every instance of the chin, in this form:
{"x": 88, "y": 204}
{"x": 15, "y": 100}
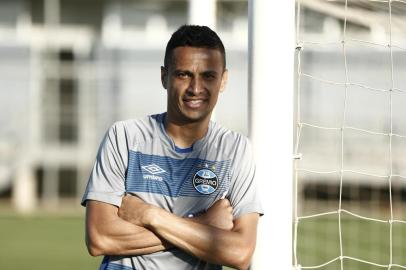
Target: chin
{"x": 196, "y": 117}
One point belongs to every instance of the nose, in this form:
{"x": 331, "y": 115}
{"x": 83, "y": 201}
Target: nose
{"x": 195, "y": 86}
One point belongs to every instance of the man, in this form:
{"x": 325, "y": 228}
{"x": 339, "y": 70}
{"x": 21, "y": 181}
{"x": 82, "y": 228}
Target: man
{"x": 191, "y": 200}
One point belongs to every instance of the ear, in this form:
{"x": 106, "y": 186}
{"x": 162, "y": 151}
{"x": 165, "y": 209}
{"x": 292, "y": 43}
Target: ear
{"x": 224, "y": 79}
{"x": 164, "y": 77}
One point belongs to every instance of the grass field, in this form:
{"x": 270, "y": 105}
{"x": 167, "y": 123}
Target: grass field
{"x": 318, "y": 242}
{"x": 57, "y": 242}
{"x": 43, "y": 243}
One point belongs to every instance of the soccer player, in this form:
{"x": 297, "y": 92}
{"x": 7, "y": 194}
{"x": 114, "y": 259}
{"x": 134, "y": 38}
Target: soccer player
{"x": 175, "y": 190}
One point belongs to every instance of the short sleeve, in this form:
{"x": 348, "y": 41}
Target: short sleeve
{"x": 107, "y": 179}
{"x": 243, "y": 194}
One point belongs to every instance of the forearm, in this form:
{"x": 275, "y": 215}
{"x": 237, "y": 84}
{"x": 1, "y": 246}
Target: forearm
{"x": 203, "y": 241}
{"x": 214, "y": 237}
{"x": 111, "y": 235}
{"x": 122, "y": 238}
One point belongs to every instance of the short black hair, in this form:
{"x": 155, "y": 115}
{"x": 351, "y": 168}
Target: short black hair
{"x": 194, "y": 36}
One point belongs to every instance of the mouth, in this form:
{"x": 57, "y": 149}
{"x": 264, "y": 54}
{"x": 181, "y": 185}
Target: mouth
{"x": 194, "y": 103}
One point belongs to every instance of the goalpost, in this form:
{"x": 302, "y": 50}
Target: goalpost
{"x": 271, "y": 51}
{"x": 369, "y": 154}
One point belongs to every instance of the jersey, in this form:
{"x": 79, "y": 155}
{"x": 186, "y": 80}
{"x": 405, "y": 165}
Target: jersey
{"x": 138, "y": 157}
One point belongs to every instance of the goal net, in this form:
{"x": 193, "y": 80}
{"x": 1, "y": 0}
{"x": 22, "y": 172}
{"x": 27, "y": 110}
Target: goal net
{"x": 350, "y": 148}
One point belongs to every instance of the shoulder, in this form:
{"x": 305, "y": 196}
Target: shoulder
{"x": 228, "y": 141}
{"x": 134, "y": 131}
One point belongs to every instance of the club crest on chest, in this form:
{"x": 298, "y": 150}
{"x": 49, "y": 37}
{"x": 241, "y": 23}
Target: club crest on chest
{"x": 205, "y": 181}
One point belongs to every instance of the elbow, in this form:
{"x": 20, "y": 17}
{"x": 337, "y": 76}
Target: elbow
{"x": 94, "y": 246}
{"x": 242, "y": 258}
{"x": 94, "y": 251}
{"x": 243, "y": 266}
{"x": 242, "y": 263}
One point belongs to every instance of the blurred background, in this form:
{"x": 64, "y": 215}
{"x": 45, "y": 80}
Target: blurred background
{"x": 69, "y": 69}
{"x": 351, "y": 97}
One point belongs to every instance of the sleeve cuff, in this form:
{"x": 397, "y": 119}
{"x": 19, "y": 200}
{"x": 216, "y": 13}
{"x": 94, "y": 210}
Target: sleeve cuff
{"x": 248, "y": 208}
{"x": 110, "y": 198}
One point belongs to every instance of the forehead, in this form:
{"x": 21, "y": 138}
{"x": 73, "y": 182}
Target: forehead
{"x": 190, "y": 57}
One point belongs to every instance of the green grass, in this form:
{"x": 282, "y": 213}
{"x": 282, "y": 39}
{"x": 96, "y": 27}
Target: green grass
{"x": 57, "y": 242}
{"x": 44, "y": 243}
{"x": 319, "y": 242}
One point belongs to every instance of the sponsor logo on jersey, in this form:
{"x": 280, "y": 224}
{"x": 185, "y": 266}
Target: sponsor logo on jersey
{"x": 153, "y": 169}
{"x": 205, "y": 181}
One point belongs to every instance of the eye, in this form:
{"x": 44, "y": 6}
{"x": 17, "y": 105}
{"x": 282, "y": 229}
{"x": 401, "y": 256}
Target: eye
{"x": 209, "y": 75}
{"x": 182, "y": 75}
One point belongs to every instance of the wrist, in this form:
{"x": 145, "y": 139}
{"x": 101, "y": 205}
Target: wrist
{"x": 151, "y": 216}
{"x": 198, "y": 219}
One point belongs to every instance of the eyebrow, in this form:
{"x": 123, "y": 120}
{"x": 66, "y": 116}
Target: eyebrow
{"x": 210, "y": 71}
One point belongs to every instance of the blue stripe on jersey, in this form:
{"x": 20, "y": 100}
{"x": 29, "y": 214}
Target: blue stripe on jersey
{"x": 104, "y": 263}
{"x": 116, "y": 266}
{"x": 172, "y": 177}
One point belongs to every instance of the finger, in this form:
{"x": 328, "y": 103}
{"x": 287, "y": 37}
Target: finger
{"x": 225, "y": 202}
{"x": 135, "y": 198}
{"x": 222, "y": 203}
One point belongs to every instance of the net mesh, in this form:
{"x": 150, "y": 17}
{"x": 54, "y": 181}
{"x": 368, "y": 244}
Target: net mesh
{"x": 347, "y": 231}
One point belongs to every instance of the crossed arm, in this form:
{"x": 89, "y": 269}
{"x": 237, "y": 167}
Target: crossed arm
{"x": 139, "y": 228}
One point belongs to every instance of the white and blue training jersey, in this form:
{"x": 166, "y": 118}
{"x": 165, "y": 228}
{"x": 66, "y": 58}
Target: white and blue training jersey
{"x": 138, "y": 157}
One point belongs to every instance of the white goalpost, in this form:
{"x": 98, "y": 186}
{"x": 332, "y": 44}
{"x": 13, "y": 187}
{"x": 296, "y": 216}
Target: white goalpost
{"x": 271, "y": 51}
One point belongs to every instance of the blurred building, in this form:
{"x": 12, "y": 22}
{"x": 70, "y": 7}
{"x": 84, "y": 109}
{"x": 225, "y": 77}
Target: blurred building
{"x": 70, "y": 68}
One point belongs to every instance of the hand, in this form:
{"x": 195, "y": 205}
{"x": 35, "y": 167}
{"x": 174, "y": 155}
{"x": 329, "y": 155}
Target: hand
{"x": 219, "y": 215}
{"x": 135, "y": 210}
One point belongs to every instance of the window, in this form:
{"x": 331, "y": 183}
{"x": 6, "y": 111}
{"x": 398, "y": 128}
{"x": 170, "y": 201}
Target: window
{"x": 61, "y": 101}
{"x": 67, "y": 184}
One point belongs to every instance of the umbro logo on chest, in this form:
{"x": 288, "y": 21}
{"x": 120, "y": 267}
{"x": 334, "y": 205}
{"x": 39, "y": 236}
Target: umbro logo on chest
{"x": 154, "y": 171}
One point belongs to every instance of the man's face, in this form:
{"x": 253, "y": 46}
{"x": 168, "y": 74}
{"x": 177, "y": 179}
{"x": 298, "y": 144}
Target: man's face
{"x": 194, "y": 78}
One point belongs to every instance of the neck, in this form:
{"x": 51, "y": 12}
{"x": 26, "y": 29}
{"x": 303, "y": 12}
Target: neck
{"x": 186, "y": 134}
